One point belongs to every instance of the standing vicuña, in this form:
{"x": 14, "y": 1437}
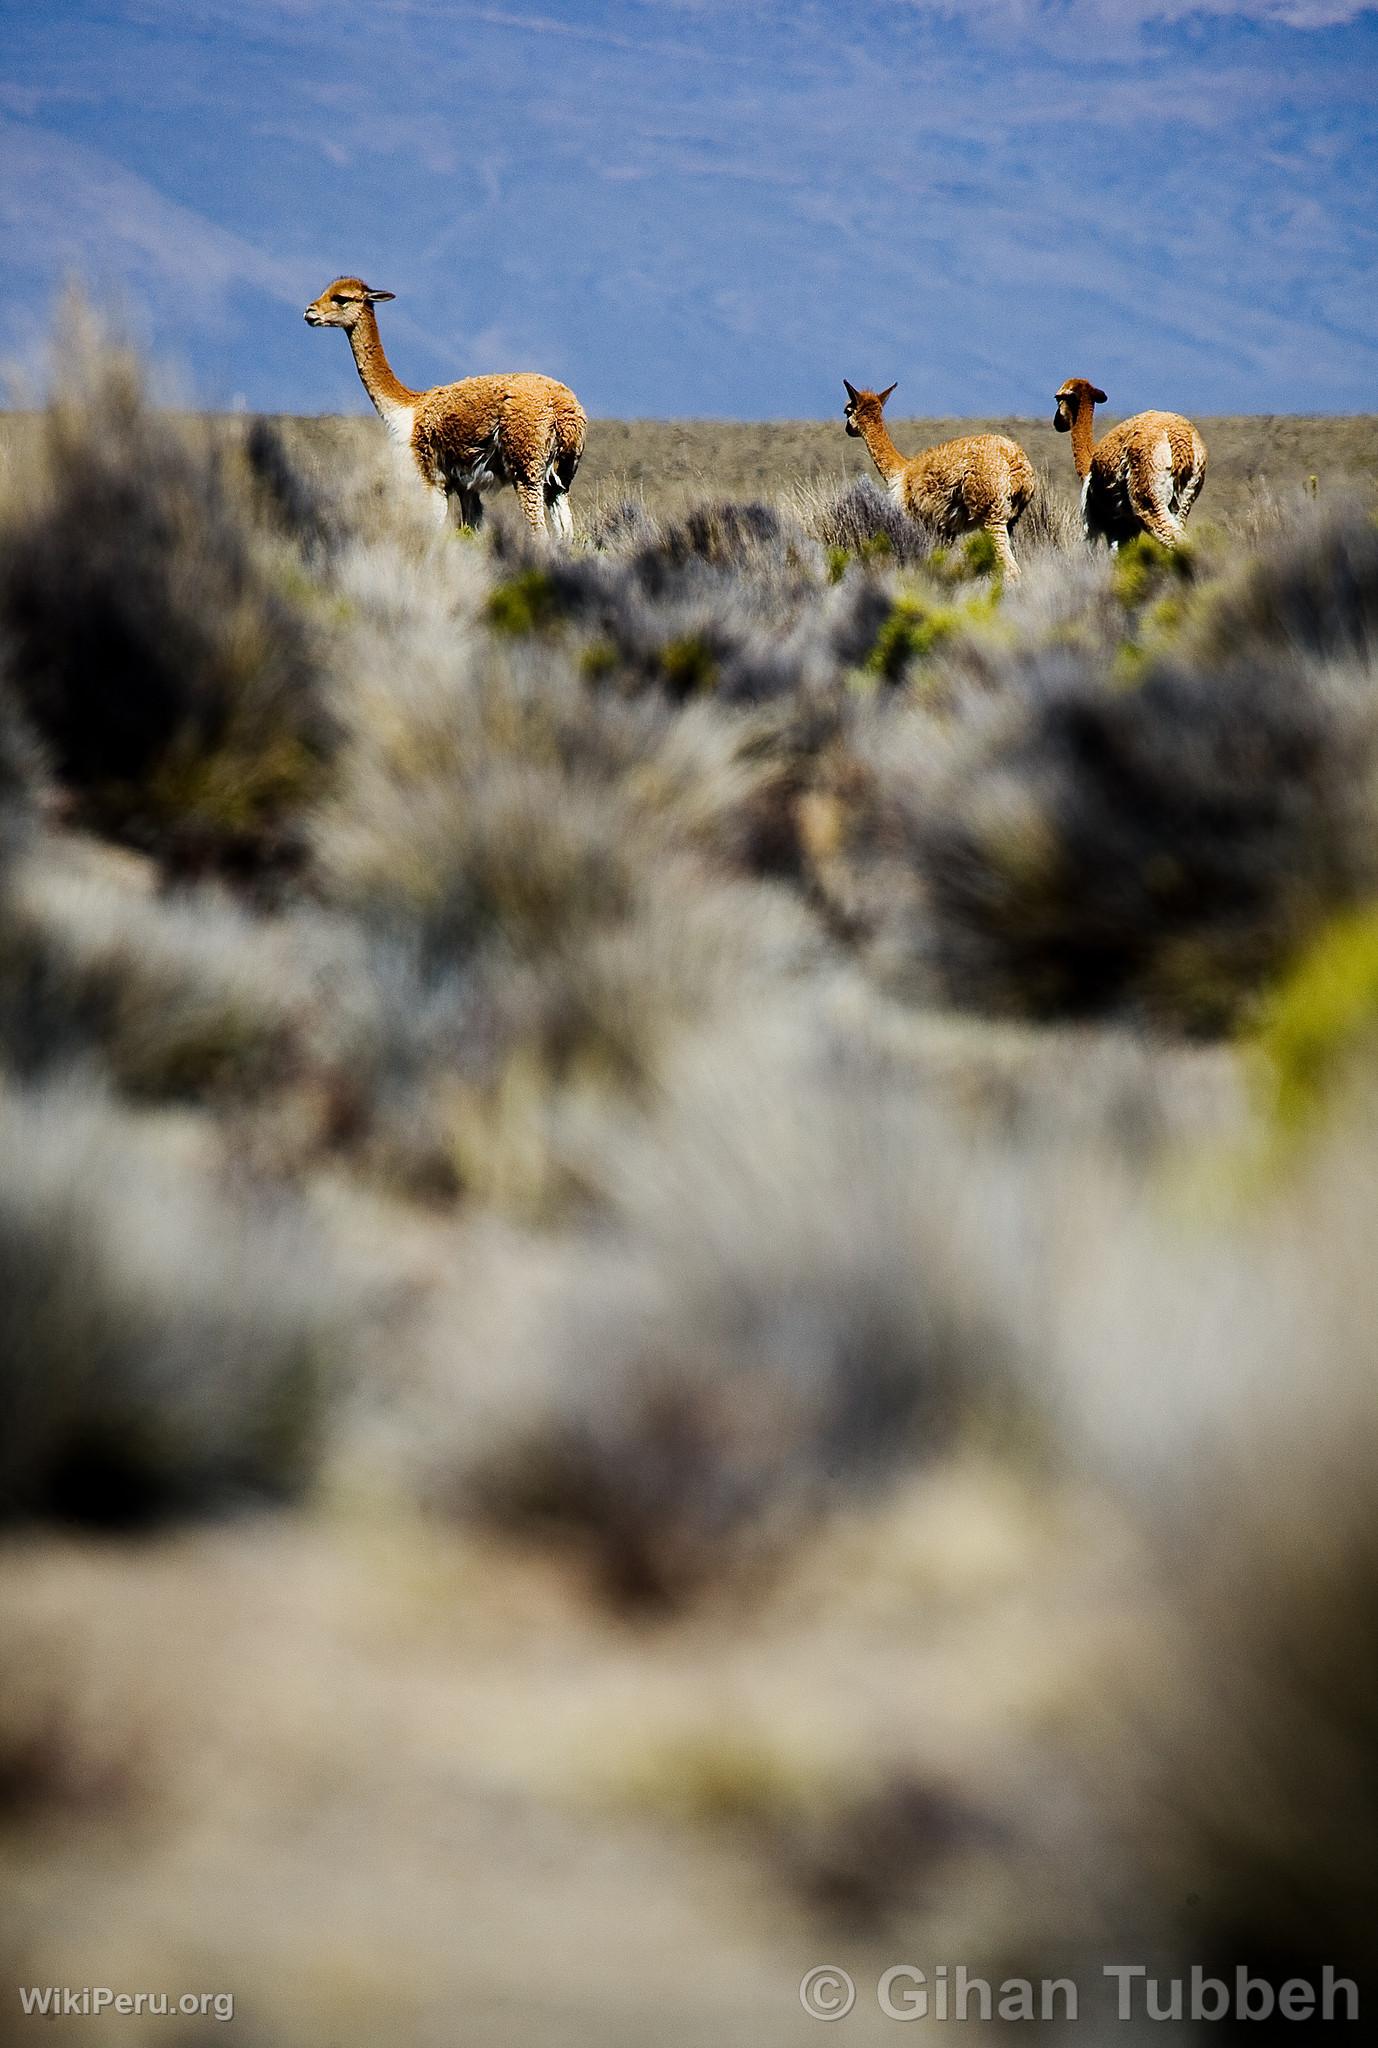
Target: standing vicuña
{"x": 466, "y": 438}
{"x": 980, "y": 481}
{"x": 1144, "y": 477}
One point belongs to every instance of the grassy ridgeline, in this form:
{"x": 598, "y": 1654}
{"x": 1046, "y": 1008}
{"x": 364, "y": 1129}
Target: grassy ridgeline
{"x": 670, "y": 464}
{"x": 685, "y": 1232}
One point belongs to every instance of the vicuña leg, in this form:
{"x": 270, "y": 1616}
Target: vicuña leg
{"x": 1156, "y": 508}
{"x": 558, "y": 514}
{"x": 1156, "y": 520}
{"x": 1004, "y": 553}
{"x": 531, "y": 498}
{"x": 469, "y": 507}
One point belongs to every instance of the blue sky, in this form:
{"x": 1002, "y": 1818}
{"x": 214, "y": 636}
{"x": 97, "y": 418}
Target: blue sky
{"x": 713, "y": 207}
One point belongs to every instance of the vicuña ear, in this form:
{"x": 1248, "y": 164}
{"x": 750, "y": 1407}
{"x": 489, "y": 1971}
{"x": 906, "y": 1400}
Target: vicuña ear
{"x": 376, "y": 298}
{"x": 881, "y": 396}
{"x": 851, "y": 390}
{"x": 1098, "y": 397}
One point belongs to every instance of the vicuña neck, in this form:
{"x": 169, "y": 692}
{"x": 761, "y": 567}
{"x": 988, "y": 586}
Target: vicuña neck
{"x": 375, "y": 371}
{"x": 882, "y": 450}
{"x": 1083, "y": 435}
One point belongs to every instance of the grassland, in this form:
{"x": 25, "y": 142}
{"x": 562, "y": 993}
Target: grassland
{"x": 687, "y": 1234}
{"x": 670, "y": 464}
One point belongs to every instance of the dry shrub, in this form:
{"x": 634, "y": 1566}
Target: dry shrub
{"x": 782, "y": 1315}
{"x": 1160, "y": 850}
{"x": 1312, "y": 589}
{"x": 21, "y": 767}
{"x": 172, "y": 680}
{"x": 546, "y": 938}
{"x": 164, "y": 1343}
{"x": 1050, "y": 522}
{"x": 188, "y": 997}
{"x": 291, "y": 499}
{"x": 863, "y": 520}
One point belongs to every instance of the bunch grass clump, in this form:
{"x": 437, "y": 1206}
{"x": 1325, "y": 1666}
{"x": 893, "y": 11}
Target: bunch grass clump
{"x": 21, "y": 766}
{"x": 1159, "y": 852}
{"x": 1322, "y": 1017}
{"x": 865, "y": 525}
{"x": 778, "y": 1320}
{"x": 166, "y": 1347}
{"x": 149, "y": 637}
{"x": 559, "y": 908}
{"x": 1312, "y": 589}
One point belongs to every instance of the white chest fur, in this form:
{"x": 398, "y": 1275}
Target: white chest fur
{"x": 399, "y": 421}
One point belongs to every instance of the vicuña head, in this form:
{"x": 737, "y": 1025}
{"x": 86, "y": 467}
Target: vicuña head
{"x": 341, "y": 303}
{"x": 1070, "y": 398}
{"x": 863, "y": 406}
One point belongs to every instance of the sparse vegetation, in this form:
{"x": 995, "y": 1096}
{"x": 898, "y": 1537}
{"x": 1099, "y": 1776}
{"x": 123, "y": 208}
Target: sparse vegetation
{"x": 168, "y": 671}
{"x": 626, "y": 1272}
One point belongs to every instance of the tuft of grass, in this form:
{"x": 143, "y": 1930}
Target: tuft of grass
{"x": 526, "y": 603}
{"x": 598, "y": 661}
{"x": 864, "y": 520}
{"x": 1322, "y": 1014}
{"x": 22, "y": 774}
{"x": 978, "y": 554}
{"x": 163, "y": 1347}
{"x": 1313, "y": 589}
{"x": 175, "y": 688}
{"x": 1050, "y": 524}
{"x": 290, "y": 498}
{"x": 911, "y": 631}
{"x": 688, "y": 666}
{"x": 1144, "y": 569}
{"x": 727, "y": 536}
{"x": 1101, "y": 849}
{"x": 772, "y": 1324}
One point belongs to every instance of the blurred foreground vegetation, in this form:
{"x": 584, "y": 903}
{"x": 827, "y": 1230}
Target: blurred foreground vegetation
{"x": 685, "y": 1243}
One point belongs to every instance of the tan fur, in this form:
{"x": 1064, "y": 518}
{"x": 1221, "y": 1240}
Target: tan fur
{"x": 1143, "y": 477}
{"x": 979, "y": 482}
{"x": 524, "y": 429}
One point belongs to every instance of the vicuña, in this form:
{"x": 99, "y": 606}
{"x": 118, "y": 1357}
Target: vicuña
{"x": 467, "y": 438}
{"x": 980, "y": 482}
{"x": 1143, "y": 477}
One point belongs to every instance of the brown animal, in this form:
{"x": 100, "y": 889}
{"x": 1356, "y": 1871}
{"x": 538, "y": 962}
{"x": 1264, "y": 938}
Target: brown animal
{"x": 1144, "y": 477}
{"x": 979, "y": 482}
{"x": 467, "y": 438}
